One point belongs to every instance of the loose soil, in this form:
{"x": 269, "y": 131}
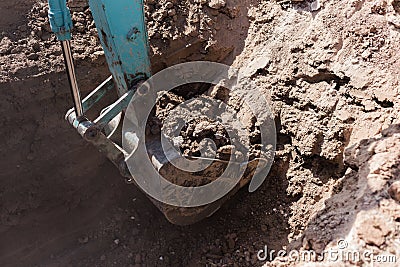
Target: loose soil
{"x": 331, "y": 72}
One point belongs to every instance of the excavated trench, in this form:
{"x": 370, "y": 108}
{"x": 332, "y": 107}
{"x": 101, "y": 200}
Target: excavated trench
{"x": 62, "y": 203}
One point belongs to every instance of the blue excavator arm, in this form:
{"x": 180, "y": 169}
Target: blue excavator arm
{"x": 60, "y": 19}
{"x": 122, "y": 32}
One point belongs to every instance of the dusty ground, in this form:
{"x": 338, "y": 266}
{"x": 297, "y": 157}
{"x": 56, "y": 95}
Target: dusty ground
{"x": 331, "y": 70}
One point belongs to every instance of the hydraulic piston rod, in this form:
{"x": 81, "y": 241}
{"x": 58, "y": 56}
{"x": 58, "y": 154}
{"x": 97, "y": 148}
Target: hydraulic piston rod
{"x": 69, "y": 64}
{"x": 61, "y": 25}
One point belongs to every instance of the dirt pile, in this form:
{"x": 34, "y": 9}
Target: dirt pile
{"x": 30, "y": 49}
{"x": 363, "y": 214}
{"x": 201, "y": 128}
{"x": 203, "y": 136}
{"x": 331, "y": 73}
{"x": 196, "y": 30}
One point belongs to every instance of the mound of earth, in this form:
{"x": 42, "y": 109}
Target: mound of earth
{"x": 330, "y": 71}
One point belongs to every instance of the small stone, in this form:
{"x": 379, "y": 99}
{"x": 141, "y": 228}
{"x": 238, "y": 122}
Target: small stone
{"x": 5, "y": 45}
{"x": 217, "y": 4}
{"x": 204, "y": 128}
{"x": 247, "y": 256}
{"x": 354, "y": 61}
{"x": 171, "y": 12}
{"x": 219, "y": 92}
{"x": 394, "y": 20}
{"x": 373, "y": 230}
{"x": 30, "y": 157}
{"x": 177, "y": 141}
{"x": 99, "y": 53}
{"x": 366, "y": 54}
{"x": 315, "y": 6}
{"x": 394, "y": 191}
{"x": 369, "y": 105}
{"x": 83, "y": 240}
{"x": 231, "y": 243}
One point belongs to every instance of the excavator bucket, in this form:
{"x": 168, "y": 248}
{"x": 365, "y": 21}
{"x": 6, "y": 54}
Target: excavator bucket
{"x": 122, "y": 33}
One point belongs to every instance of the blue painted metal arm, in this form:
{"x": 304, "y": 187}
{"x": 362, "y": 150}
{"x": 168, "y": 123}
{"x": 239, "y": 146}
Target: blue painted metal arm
{"x": 60, "y": 19}
{"x": 123, "y": 35}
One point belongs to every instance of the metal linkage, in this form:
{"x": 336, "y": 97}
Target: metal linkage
{"x": 92, "y": 131}
{"x": 97, "y": 94}
{"x": 122, "y": 32}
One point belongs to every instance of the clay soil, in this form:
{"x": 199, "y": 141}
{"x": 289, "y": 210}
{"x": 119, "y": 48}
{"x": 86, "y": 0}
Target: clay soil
{"x": 330, "y": 70}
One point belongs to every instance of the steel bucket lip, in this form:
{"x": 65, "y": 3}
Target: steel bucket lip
{"x": 191, "y": 215}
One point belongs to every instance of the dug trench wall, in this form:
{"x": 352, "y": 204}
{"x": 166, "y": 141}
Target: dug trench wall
{"x": 331, "y": 73}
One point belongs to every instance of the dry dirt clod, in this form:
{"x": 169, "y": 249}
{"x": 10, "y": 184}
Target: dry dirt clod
{"x": 330, "y": 75}
{"x": 374, "y": 230}
{"x": 83, "y": 240}
{"x": 231, "y": 243}
{"x": 394, "y": 191}
{"x": 216, "y": 4}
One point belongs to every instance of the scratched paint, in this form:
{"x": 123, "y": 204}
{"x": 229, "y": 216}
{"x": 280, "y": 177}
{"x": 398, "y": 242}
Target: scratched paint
{"x": 124, "y": 40}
